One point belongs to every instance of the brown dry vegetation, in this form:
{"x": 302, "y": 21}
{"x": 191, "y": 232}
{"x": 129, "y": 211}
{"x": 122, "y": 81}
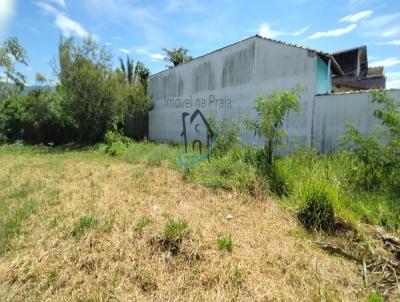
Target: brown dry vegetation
{"x": 117, "y": 258}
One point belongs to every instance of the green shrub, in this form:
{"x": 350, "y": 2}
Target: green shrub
{"x": 275, "y": 177}
{"x": 226, "y": 135}
{"x": 116, "y": 143}
{"x": 272, "y": 111}
{"x": 225, "y": 244}
{"x": 377, "y": 154}
{"x": 37, "y": 118}
{"x": 318, "y": 214}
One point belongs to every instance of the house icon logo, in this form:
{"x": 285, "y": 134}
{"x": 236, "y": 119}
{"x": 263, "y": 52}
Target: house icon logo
{"x": 197, "y": 138}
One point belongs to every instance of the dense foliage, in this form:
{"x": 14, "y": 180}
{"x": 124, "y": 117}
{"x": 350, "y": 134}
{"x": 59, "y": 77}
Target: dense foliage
{"x": 90, "y": 98}
{"x": 378, "y": 154}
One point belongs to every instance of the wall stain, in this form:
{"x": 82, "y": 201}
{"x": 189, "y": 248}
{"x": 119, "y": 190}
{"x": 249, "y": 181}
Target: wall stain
{"x": 203, "y": 77}
{"x": 238, "y": 66}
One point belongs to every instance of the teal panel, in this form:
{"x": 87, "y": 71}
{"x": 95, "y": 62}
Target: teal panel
{"x": 324, "y": 82}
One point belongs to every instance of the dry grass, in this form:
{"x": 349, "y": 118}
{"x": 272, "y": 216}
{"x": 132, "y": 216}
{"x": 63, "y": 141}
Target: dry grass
{"x": 123, "y": 255}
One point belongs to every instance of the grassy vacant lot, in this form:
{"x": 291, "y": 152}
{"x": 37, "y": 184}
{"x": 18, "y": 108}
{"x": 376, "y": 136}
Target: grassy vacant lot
{"x": 83, "y": 226}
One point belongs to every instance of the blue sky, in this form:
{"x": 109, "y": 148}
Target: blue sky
{"x": 141, "y": 28}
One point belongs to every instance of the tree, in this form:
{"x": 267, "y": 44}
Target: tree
{"x": 93, "y": 93}
{"x": 127, "y": 69}
{"x": 272, "y": 112}
{"x": 11, "y": 81}
{"x": 142, "y": 74}
{"x": 40, "y": 78}
{"x": 177, "y": 56}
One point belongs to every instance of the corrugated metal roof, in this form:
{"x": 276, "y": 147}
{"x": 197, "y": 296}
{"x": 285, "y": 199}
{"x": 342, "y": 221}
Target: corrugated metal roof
{"x": 295, "y": 45}
{"x": 255, "y": 36}
{"x": 358, "y": 91}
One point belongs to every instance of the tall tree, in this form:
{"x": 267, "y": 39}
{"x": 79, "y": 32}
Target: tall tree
{"x": 92, "y": 90}
{"x": 142, "y": 74}
{"x": 11, "y": 81}
{"x": 176, "y": 56}
{"x": 127, "y": 69}
{"x": 272, "y": 111}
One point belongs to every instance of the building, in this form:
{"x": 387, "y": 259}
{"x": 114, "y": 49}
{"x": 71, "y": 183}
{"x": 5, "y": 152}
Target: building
{"x": 225, "y": 83}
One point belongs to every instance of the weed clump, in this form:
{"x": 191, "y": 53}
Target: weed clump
{"x": 318, "y": 214}
{"x": 142, "y": 223}
{"x": 175, "y": 232}
{"x": 225, "y": 244}
{"x": 116, "y": 143}
{"x": 82, "y": 225}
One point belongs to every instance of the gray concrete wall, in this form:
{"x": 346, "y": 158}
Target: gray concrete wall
{"x": 234, "y": 76}
{"x": 225, "y": 84}
{"x": 333, "y": 112}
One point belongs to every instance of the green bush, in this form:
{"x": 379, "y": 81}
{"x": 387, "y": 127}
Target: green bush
{"x": 116, "y": 143}
{"x": 275, "y": 177}
{"x": 318, "y": 214}
{"x": 272, "y": 111}
{"x": 226, "y": 135}
{"x": 377, "y": 154}
{"x": 37, "y": 118}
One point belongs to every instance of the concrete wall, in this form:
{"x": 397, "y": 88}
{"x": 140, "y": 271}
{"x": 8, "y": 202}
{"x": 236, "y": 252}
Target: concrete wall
{"x": 333, "y": 112}
{"x": 225, "y": 84}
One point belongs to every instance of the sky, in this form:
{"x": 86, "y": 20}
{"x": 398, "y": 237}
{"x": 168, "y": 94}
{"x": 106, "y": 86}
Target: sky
{"x": 142, "y": 28}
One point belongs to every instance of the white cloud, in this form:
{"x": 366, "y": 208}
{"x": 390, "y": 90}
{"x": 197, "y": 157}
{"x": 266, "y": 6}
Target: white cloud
{"x": 393, "y": 80}
{"x": 381, "y": 21}
{"x": 265, "y": 30}
{"x": 333, "y": 33}
{"x": 59, "y": 2}
{"x": 391, "y": 33}
{"x": 388, "y": 62}
{"x": 127, "y": 51}
{"x": 70, "y": 27}
{"x": 394, "y": 42}
{"x": 357, "y": 17}
{"x": 302, "y": 31}
{"x": 152, "y": 56}
{"x": 47, "y": 8}
{"x": 7, "y": 12}
{"x": 187, "y": 5}
{"x": 67, "y": 26}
